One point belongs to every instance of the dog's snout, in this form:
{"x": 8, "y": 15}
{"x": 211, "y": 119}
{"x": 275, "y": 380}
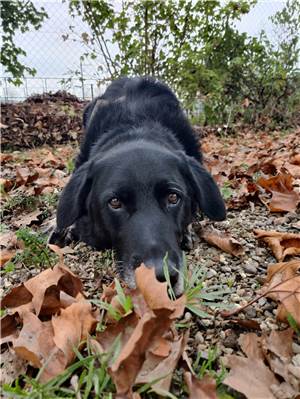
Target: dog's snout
{"x": 158, "y": 265}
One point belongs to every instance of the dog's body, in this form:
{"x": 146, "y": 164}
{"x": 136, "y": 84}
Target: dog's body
{"x": 138, "y": 181}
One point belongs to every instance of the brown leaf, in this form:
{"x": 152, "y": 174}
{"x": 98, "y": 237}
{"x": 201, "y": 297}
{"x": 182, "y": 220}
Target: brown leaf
{"x": 250, "y": 376}
{"x": 17, "y": 296}
{"x": 28, "y": 219}
{"x": 6, "y": 256}
{"x": 283, "y": 285}
{"x": 223, "y": 241}
{"x": 59, "y": 276}
{"x": 155, "y": 293}
{"x": 157, "y": 368}
{"x": 278, "y": 351}
{"x": 284, "y": 198}
{"x": 25, "y": 176}
{"x": 251, "y": 346}
{"x": 35, "y": 344}
{"x": 72, "y": 326}
{"x": 148, "y": 348}
{"x": 200, "y": 389}
{"x": 282, "y": 244}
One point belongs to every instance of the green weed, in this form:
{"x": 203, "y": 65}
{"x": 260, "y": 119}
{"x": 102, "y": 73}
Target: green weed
{"x": 35, "y": 252}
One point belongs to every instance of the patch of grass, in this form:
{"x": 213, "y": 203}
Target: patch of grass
{"x": 70, "y": 165}
{"x": 86, "y": 378}
{"x": 207, "y": 366}
{"x": 22, "y": 202}
{"x": 198, "y": 295}
{"x": 292, "y": 322}
{"x": 49, "y": 200}
{"x": 226, "y": 191}
{"x": 35, "y": 252}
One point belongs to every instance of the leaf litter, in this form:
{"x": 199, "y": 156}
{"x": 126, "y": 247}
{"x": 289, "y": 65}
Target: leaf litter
{"x": 237, "y": 164}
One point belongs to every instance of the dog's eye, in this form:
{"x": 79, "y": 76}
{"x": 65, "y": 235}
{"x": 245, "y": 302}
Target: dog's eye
{"x": 173, "y": 198}
{"x": 115, "y": 203}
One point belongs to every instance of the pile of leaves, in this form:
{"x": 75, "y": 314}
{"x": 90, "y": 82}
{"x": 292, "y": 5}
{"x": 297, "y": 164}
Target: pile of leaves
{"x": 263, "y": 167}
{"x": 41, "y": 119}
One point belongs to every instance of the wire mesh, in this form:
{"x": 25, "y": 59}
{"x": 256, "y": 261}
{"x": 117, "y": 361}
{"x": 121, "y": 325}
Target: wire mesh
{"x": 58, "y": 62}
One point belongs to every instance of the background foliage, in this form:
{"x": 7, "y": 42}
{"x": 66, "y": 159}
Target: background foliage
{"x": 221, "y": 74}
{"x": 17, "y": 15}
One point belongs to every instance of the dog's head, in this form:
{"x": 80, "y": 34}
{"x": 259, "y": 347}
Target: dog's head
{"x": 139, "y": 199}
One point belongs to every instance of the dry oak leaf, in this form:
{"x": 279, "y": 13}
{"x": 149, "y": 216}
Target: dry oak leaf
{"x": 160, "y": 367}
{"x": 284, "y": 198}
{"x": 283, "y": 285}
{"x": 250, "y": 376}
{"x": 282, "y": 244}
{"x": 5, "y": 256}
{"x": 222, "y": 240}
{"x": 35, "y": 344}
{"x": 200, "y": 389}
{"x": 155, "y": 293}
{"x": 144, "y": 331}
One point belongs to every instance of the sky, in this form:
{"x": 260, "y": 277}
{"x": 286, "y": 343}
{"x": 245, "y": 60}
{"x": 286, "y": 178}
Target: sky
{"x": 54, "y": 58}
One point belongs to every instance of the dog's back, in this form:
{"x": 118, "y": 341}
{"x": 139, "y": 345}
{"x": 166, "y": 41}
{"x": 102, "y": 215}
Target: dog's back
{"x": 132, "y": 102}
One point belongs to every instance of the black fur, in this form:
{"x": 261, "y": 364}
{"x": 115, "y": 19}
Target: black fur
{"x": 138, "y": 147}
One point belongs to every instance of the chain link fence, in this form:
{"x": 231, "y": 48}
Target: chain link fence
{"x": 57, "y": 58}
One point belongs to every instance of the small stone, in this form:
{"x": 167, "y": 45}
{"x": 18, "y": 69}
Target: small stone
{"x": 226, "y": 269}
{"x": 235, "y": 298}
{"x": 251, "y": 267}
{"x": 211, "y": 273}
{"x": 241, "y": 292}
{"x": 199, "y": 339}
{"x": 201, "y": 347}
{"x": 268, "y": 314}
{"x": 282, "y": 220}
{"x": 206, "y": 322}
{"x": 230, "y": 340}
{"x": 262, "y": 301}
{"x": 296, "y": 360}
{"x": 188, "y": 316}
{"x": 228, "y": 351}
{"x": 250, "y": 312}
{"x": 222, "y": 259}
{"x": 296, "y": 348}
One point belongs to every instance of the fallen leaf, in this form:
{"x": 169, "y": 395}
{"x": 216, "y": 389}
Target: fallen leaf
{"x": 35, "y": 344}
{"x": 223, "y": 241}
{"x": 72, "y": 326}
{"x": 282, "y": 244}
{"x": 250, "y": 376}
{"x": 28, "y": 219}
{"x": 206, "y": 388}
{"x": 283, "y": 285}
{"x": 155, "y": 293}
{"x": 251, "y": 346}
{"x": 284, "y": 198}
{"x": 160, "y": 368}
{"x": 6, "y": 256}
{"x": 149, "y": 349}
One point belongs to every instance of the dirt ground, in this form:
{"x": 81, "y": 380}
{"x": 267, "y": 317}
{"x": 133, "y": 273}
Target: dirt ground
{"x": 31, "y": 183}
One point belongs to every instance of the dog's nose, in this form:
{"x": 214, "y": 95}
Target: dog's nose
{"x": 158, "y": 265}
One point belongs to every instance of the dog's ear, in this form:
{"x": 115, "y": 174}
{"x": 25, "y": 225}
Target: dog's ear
{"x": 72, "y": 202}
{"x": 206, "y": 191}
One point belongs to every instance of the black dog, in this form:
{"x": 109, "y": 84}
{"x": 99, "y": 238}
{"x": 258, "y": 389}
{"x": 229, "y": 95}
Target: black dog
{"x": 138, "y": 181}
